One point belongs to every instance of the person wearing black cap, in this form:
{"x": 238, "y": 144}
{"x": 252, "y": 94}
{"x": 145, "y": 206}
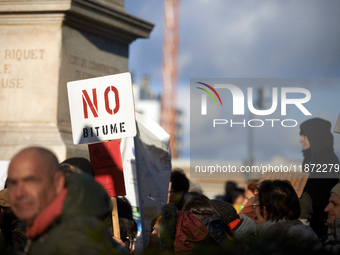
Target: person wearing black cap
{"x": 318, "y": 152}
{"x": 82, "y": 163}
{"x": 241, "y": 225}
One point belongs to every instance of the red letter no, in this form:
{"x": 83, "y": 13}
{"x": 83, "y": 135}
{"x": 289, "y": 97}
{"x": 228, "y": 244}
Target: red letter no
{"x": 106, "y": 96}
{"x": 87, "y": 101}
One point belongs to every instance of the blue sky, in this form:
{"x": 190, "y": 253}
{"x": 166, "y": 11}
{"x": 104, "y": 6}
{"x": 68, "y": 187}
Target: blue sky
{"x": 245, "y": 39}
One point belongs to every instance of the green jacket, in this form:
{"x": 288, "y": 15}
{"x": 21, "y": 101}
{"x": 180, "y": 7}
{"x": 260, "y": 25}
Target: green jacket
{"x": 81, "y": 228}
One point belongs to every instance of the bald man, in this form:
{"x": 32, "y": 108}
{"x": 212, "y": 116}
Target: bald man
{"x": 34, "y": 181}
{"x": 63, "y": 215}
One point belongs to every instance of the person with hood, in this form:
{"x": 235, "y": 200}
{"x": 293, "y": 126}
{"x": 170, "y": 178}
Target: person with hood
{"x": 62, "y": 215}
{"x": 318, "y": 151}
{"x": 197, "y": 226}
{"x": 202, "y": 207}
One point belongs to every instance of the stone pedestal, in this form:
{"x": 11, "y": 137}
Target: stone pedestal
{"x": 45, "y": 44}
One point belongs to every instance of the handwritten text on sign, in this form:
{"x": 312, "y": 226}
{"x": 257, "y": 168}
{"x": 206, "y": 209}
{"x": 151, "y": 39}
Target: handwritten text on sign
{"x": 102, "y": 108}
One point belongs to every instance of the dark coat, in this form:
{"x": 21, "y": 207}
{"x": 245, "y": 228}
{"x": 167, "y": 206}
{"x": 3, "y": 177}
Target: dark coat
{"x": 182, "y": 231}
{"x": 288, "y": 228}
{"x": 80, "y": 229}
{"x": 331, "y": 241}
{"x": 320, "y": 153}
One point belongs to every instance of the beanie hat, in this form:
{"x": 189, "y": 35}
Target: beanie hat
{"x": 82, "y": 163}
{"x": 227, "y": 213}
{"x": 306, "y": 205}
{"x": 225, "y": 209}
{"x": 336, "y": 190}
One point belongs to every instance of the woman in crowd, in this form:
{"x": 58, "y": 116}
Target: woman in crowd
{"x": 278, "y": 210}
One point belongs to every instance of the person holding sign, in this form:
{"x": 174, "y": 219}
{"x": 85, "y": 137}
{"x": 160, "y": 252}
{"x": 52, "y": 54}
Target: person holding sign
{"x": 62, "y": 215}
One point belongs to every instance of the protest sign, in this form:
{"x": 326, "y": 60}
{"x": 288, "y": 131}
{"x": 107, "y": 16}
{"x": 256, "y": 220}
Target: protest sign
{"x": 297, "y": 179}
{"x": 147, "y": 170}
{"x": 102, "y": 108}
{"x": 106, "y": 160}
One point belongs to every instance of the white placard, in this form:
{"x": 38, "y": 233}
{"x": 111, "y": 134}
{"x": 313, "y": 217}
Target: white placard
{"x": 147, "y": 168}
{"x": 102, "y": 108}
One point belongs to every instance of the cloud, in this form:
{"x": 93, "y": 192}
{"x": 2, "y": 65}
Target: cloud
{"x": 259, "y": 39}
{"x": 243, "y": 39}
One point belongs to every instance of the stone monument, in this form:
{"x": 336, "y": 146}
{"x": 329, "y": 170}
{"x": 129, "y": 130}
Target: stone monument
{"x": 45, "y": 44}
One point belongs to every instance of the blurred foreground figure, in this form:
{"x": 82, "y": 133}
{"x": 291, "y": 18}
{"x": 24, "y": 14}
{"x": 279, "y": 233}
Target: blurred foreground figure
{"x": 62, "y": 216}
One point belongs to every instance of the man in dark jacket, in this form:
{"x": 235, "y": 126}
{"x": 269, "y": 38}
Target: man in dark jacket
{"x": 62, "y": 216}
{"x": 320, "y": 161}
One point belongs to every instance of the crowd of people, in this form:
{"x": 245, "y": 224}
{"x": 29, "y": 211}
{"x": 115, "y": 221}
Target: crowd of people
{"x": 49, "y": 207}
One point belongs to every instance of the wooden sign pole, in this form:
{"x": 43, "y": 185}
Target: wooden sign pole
{"x": 115, "y": 219}
{"x": 108, "y": 169}
{"x": 169, "y": 190}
